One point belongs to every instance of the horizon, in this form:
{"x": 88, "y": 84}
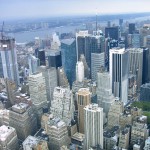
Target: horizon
{"x": 17, "y": 9}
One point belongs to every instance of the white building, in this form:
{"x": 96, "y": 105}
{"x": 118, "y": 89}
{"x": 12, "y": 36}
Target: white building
{"x": 93, "y": 127}
{"x": 62, "y": 104}
{"x": 79, "y": 71}
{"x": 8, "y": 138}
{"x": 119, "y": 64}
{"x": 104, "y": 91}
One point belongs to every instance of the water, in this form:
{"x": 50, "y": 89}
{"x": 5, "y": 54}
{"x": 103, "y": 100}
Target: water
{"x": 27, "y": 36}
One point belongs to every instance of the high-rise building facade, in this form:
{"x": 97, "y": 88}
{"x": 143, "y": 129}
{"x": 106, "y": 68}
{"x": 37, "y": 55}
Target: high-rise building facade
{"x": 97, "y": 61}
{"x": 37, "y": 88}
{"x": 89, "y": 43}
{"x": 8, "y": 60}
{"x": 93, "y": 126}
{"x": 147, "y": 144}
{"x": 79, "y": 71}
{"x": 54, "y": 58}
{"x": 131, "y": 28}
{"x": 119, "y": 64}
{"x": 69, "y": 58}
{"x": 112, "y": 32}
{"x": 136, "y": 64}
{"x": 104, "y": 91}
{"x": 50, "y": 75}
{"x": 114, "y": 113}
{"x": 83, "y": 99}
{"x": 62, "y": 105}
{"x": 146, "y": 69}
{"x": 22, "y": 118}
{"x": 33, "y": 64}
{"x": 135, "y": 40}
{"x": 145, "y": 92}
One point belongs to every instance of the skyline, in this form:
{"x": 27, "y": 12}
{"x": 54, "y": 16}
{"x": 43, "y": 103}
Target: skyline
{"x": 52, "y": 8}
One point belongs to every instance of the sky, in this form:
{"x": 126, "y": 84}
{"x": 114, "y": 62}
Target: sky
{"x": 10, "y": 9}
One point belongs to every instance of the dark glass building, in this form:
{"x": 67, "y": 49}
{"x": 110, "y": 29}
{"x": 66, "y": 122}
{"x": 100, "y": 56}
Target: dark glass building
{"x": 54, "y": 58}
{"x": 145, "y": 65}
{"x": 112, "y": 32}
{"x": 109, "y": 45}
{"x": 145, "y": 92}
{"x": 131, "y": 28}
{"x": 69, "y": 58}
{"x": 40, "y": 54}
{"x": 88, "y": 43}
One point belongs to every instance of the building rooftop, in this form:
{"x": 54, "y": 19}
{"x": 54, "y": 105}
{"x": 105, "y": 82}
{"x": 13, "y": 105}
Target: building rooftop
{"x": 78, "y": 136}
{"x": 68, "y": 41}
{"x": 5, "y": 131}
{"x": 57, "y": 123}
{"x": 118, "y": 50}
{"x": 84, "y": 91}
{"x": 93, "y": 107}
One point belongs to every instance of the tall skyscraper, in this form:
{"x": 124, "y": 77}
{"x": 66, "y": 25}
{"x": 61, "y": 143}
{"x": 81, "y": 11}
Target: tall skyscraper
{"x": 40, "y": 54}
{"x": 54, "y": 58}
{"x": 145, "y": 65}
{"x": 93, "y": 126}
{"x": 131, "y": 28}
{"x": 69, "y": 58}
{"x": 136, "y": 64}
{"x": 135, "y": 40}
{"x": 112, "y": 32}
{"x": 62, "y": 78}
{"x": 104, "y": 91}
{"x": 8, "y": 59}
{"x": 89, "y": 43}
{"x": 83, "y": 99}
{"x": 62, "y": 105}
{"x": 38, "y": 95}
{"x": 97, "y": 61}
{"x": 33, "y": 64}
{"x": 79, "y": 71}
{"x": 50, "y": 75}
{"x": 119, "y": 64}
{"x": 109, "y": 43}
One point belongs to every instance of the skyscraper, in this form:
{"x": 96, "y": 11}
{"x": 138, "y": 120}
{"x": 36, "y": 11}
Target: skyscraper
{"x": 135, "y": 40}
{"x": 54, "y": 58}
{"x": 83, "y": 99}
{"x": 112, "y": 32}
{"x": 40, "y": 54}
{"x": 119, "y": 65}
{"x": 146, "y": 53}
{"x": 79, "y": 71}
{"x": 38, "y": 95}
{"x": 62, "y": 105}
{"x": 136, "y": 64}
{"x": 131, "y": 28}
{"x": 69, "y": 58}
{"x": 93, "y": 126}
{"x": 89, "y": 43}
{"x": 104, "y": 91}
{"x": 97, "y": 61}
{"x": 50, "y": 75}
{"x": 8, "y": 59}
{"x": 33, "y": 64}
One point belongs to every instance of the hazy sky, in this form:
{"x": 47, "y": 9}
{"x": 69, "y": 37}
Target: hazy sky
{"x": 43, "y": 8}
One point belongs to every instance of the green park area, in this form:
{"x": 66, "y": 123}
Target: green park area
{"x": 145, "y": 106}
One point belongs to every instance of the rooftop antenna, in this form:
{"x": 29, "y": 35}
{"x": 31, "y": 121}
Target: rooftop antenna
{"x": 96, "y": 21}
{"x": 2, "y": 35}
